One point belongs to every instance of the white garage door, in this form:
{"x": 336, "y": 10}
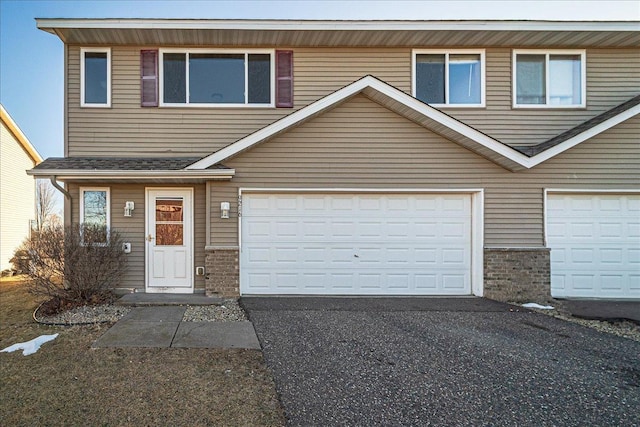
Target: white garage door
{"x": 365, "y": 244}
{"x": 595, "y": 245}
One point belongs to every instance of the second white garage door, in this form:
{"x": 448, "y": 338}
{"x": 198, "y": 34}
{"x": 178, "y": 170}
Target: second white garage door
{"x": 595, "y": 245}
{"x": 356, "y": 244}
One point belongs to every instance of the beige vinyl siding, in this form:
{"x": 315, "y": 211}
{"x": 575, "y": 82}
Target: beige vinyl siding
{"x": 613, "y": 76}
{"x": 17, "y": 195}
{"x": 133, "y": 228}
{"x": 386, "y": 151}
{"x": 128, "y": 129}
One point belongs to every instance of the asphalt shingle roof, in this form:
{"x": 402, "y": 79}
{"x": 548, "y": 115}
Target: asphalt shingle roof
{"x": 582, "y": 127}
{"x": 119, "y": 163}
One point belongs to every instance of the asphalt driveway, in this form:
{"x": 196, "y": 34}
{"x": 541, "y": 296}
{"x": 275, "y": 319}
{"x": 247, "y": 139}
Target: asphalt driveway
{"x": 440, "y": 361}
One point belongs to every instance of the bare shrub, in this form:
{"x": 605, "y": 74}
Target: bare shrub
{"x": 75, "y": 265}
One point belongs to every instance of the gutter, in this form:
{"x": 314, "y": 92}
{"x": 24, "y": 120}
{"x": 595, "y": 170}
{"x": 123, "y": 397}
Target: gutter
{"x": 67, "y": 195}
{"x": 67, "y": 174}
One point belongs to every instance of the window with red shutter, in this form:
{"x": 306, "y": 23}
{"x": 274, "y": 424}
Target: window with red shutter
{"x": 284, "y": 78}
{"x": 149, "y": 78}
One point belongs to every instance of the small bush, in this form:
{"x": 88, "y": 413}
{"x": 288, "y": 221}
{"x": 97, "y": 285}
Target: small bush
{"x": 76, "y": 265}
{"x": 20, "y": 260}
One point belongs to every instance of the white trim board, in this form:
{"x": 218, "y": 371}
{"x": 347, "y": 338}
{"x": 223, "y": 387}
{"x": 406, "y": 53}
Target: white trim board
{"x": 472, "y": 139}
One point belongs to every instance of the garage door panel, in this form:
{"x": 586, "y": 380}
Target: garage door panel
{"x": 356, "y": 244}
{"x": 454, "y": 281}
{"x": 595, "y": 248}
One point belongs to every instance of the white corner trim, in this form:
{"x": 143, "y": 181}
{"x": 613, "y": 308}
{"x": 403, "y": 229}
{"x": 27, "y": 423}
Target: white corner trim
{"x": 477, "y": 243}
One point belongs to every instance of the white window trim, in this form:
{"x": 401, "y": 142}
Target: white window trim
{"x": 547, "y": 53}
{"x": 82, "y": 77}
{"x": 105, "y": 189}
{"x": 448, "y": 52}
{"x": 270, "y": 52}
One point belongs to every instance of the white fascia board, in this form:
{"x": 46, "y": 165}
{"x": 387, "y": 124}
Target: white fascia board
{"x": 133, "y": 174}
{"x": 337, "y": 25}
{"x": 344, "y": 93}
{"x": 590, "y": 133}
{"x": 13, "y": 127}
{"x": 451, "y": 123}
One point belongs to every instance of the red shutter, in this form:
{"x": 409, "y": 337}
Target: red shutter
{"x": 284, "y": 78}
{"x": 149, "y": 78}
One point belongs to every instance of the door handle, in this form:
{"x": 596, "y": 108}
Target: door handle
{"x": 149, "y": 238}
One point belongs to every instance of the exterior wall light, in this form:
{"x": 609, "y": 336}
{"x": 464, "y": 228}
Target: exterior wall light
{"x": 128, "y": 208}
{"x": 224, "y": 210}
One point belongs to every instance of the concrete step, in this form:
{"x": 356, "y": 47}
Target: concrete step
{"x": 141, "y": 299}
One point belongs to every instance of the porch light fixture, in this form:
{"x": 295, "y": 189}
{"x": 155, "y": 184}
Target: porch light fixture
{"x": 128, "y": 208}
{"x": 224, "y": 210}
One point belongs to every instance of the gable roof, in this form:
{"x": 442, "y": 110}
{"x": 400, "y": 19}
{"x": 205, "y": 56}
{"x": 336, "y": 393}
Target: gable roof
{"x": 19, "y": 136}
{"x": 429, "y": 117}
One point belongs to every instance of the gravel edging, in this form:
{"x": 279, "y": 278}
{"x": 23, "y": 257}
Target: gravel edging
{"x": 85, "y": 315}
{"x": 228, "y": 311}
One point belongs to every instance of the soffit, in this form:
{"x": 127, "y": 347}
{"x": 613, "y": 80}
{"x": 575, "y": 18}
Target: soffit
{"x": 345, "y": 33}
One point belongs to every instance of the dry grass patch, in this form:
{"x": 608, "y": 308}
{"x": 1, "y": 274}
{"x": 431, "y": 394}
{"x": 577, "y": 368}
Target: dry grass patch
{"x": 68, "y": 383}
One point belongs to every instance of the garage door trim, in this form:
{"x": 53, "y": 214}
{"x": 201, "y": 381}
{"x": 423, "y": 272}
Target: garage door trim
{"x": 477, "y": 218}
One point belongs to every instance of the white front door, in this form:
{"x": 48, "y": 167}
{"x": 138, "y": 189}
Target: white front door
{"x": 169, "y": 240}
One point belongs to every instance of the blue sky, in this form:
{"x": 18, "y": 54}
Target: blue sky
{"x": 31, "y": 67}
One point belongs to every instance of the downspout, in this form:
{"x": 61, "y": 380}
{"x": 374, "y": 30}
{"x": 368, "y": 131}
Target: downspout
{"x": 67, "y": 195}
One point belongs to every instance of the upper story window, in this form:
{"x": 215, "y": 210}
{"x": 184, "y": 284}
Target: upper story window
{"x": 95, "y": 77}
{"x": 549, "y": 79}
{"x": 210, "y": 78}
{"x": 449, "y": 78}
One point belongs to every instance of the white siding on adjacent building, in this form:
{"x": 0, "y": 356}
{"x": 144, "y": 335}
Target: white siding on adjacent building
{"x": 17, "y": 195}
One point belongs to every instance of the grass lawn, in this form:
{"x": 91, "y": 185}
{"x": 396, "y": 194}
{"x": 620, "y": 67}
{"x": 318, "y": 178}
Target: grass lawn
{"x": 68, "y": 383}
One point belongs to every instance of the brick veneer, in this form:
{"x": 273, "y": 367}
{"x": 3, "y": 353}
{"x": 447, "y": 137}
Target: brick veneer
{"x": 510, "y": 274}
{"x": 223, "y": 278}
{"x": 517, "y": 275}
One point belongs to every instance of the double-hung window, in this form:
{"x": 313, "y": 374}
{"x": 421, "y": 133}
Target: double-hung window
{"x": 549, "y": 79}
{"x": 95, "y": 77}
{"x": 95, "y": 215}
{"x": 217, "y": 78}
{"x": 449, "y": 78}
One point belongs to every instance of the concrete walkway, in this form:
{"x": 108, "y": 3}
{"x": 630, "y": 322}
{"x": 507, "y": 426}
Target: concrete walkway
{"x": 162, "y": 327}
